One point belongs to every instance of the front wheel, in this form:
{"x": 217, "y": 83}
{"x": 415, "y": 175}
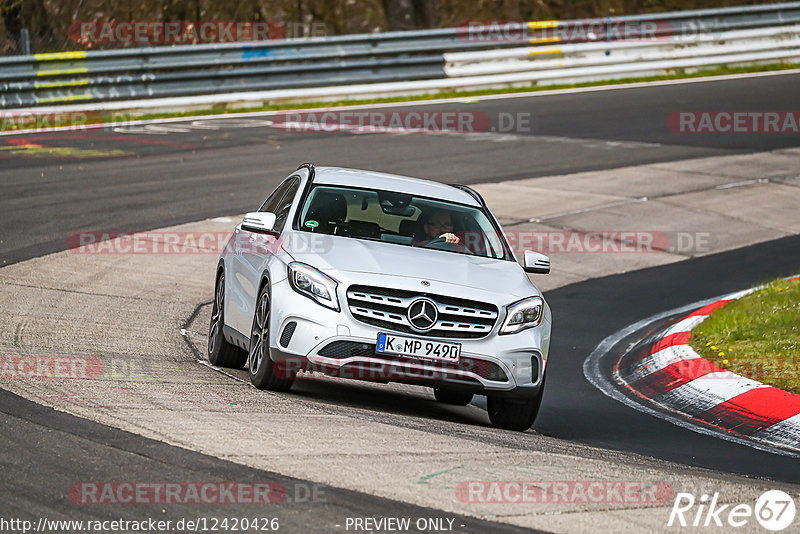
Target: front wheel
{"x": 264, "y": 373}
{"x": 515, "y": 414}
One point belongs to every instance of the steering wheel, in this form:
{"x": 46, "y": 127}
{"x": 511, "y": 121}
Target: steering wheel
{"x": 440, "y": 243}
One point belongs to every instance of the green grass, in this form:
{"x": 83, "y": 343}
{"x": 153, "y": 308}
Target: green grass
{"x": 757, "y": 336}
{"x": 224, "y": 108}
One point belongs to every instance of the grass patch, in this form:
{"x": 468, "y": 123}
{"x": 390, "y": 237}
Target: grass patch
{"x": 223, "y": 108}
{"x": 757, "y": 336}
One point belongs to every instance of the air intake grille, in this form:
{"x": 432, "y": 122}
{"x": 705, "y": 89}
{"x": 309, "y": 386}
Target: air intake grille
{"x": 341, "y": 350}
{"x": 288, "y": 332}
{"x": 388, "y": 308}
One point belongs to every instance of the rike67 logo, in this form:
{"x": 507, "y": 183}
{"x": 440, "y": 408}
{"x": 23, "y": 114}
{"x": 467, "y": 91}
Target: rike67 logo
{"x": 774, "y": 510}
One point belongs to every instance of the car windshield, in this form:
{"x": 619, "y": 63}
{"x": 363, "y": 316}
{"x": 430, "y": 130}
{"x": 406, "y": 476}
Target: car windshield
{"x": 401, "y": 219}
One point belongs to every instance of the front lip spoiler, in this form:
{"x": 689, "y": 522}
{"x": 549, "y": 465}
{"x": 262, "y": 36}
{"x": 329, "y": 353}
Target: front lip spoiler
{"x": 407, "y": 371}
{"x": 464, "y": 381}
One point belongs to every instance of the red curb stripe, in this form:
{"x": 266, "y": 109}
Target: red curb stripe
{"x": 673, "y": 376}
{"x": 708, "y": 309}
{"x": 678, "y": 338}
{"x": 754, "y": 410}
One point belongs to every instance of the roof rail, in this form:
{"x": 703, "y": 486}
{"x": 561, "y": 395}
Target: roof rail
{"x": 474, "y": 194}
{"x": 311, "y": 170}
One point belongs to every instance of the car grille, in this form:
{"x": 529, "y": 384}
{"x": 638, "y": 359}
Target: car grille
{"x": 388, "y": 308}
{"x": 340, "y": 350}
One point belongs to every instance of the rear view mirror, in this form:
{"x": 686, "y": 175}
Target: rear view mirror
{"x": 536, "y": 263}
{"x": 396, "y": 203}
{"x": 259, "y": 221}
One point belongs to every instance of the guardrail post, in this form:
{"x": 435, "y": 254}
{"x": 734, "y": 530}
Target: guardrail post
{"x": 25, "y": 42}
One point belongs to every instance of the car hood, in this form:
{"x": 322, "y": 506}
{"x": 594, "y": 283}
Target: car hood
{"x": 347, "y": 256}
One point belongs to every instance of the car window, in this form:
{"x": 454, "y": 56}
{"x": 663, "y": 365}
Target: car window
{"x": 285, "y": 204}
{"x": 270, "y": 205}
{"x": 401, "y": 219}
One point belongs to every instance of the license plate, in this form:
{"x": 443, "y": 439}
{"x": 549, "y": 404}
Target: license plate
{"x": 418, "y": 348}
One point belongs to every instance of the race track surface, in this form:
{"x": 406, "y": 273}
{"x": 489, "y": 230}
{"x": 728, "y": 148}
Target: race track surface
{"x": 143, "y": 177}
{"x": 136, "y": 178}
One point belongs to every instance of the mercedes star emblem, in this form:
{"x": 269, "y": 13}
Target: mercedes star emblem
{"x": 422, "y": 314}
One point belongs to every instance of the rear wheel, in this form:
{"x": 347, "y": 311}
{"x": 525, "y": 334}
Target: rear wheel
{"x": 265, "y": 373}
{"x": 449, "y": 396}
{"x": 514, "y": 414}
{"x": 220, "y": 352}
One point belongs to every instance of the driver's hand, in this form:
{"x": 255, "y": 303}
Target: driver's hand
{"x": 450, "y": 238}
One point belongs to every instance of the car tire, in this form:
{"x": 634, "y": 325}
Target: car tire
{"x": 220, "y": 352}
{"x": 449, "y": 396}
{"x": 264, "y": 372}
{"x": 514, "y": 414}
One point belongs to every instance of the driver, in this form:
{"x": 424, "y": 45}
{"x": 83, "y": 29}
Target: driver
{"x": 439, "y": 225}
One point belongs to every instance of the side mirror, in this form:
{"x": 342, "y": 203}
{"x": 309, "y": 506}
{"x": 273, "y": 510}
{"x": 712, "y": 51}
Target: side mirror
{"x": 259, "y": 222}
{"x": 536, "y": 263}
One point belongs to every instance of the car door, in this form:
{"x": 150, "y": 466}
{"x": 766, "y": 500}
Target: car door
{"x": 257, "y": 253}
{"x": 240, "y": 300}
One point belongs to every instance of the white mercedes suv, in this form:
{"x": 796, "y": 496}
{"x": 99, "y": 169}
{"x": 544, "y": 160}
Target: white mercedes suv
{"x": 371, "y": 276}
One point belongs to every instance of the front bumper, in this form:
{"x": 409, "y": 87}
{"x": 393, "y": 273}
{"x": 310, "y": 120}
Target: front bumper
{"x": 338, "y": 344}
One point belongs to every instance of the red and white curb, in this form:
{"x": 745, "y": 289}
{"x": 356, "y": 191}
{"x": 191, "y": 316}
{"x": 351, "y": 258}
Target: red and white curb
{"x": 675, "y": 377}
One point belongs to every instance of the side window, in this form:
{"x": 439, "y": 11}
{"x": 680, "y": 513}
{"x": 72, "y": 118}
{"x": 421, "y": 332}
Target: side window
{"x": 285, "y": 204}
{"x": 270, "y": 205}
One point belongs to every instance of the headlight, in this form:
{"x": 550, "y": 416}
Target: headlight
{"x": 524, "y": 314}
{"x": 314, "y": 284}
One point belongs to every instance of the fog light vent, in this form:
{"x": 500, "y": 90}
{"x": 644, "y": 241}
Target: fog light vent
{"x": 288, "y": 332}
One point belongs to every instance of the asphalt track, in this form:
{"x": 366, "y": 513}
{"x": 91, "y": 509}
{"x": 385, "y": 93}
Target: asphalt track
{"x": 37, "y": 476}
{"x": 134, "y": 179}
{"x": 599, "y": 307}
{"x": 52, "y": 185}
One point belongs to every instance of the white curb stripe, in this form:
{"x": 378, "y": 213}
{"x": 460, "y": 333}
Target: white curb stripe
{"x": 684, "y": 325}
{"x": 702, "y": 394}
{"x": 658, "y": 361}
{"x": 787, "y": 432}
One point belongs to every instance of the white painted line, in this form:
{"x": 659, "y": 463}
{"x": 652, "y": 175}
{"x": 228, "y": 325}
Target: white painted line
{"x": 740, "y": 294}
{"x": 743, "y": 183}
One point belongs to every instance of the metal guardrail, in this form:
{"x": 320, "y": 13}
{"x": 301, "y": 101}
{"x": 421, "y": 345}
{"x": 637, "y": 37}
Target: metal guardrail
{"x": 778, "y": 42}
{"x": 142, "y": 73}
